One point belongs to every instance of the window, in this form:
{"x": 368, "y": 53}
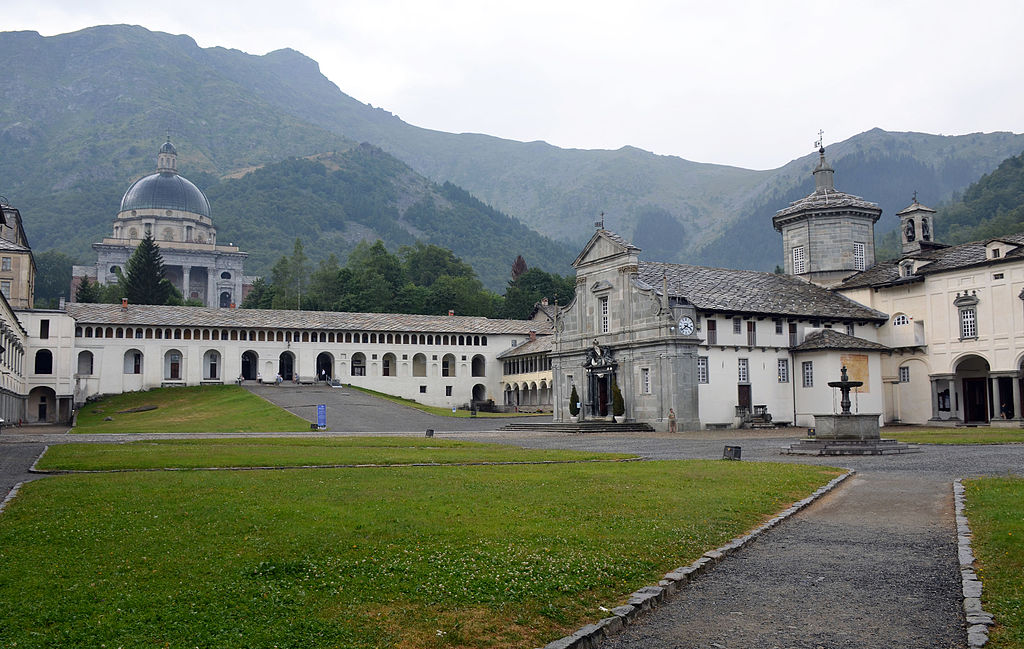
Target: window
{"x": 799, "y": 260}
{"x": 783, "y": 370}
{"x": 604, "y": 315}
{"x": 751, "y": 333}
{"x": 712, "y": 332}
{"x": 778, "y": 326}
{"x": 702, "y": 369}
{"x": 737, "y": 325}
{"x": 995, "y": 253}
{"x": 358, "y": 364}
{"x": 5, "y": 287}
{"x": 5, "y": 263}
{"x": 792, "y": 334}
{"x": 849, "y": 330}
{"x": 905, "y": 374}
{"x": 423, "y": 389}
{"x": 968, "y": 322}
{"x": 900, "y": 320}
{"x": 858, "y": 256}
{"x": 44, "y": 362}
{"x": 743, "y": 370}
{"x": 447, "y": 390}
{"x": 44, "y": 328}
{"x": 645, "y": 380}
{"x": 807, "y": 368}
{"x": 225, "y": 275}
{"x": 997, "y": 276}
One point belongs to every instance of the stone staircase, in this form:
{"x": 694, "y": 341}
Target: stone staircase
{"x": 587, "y": 426}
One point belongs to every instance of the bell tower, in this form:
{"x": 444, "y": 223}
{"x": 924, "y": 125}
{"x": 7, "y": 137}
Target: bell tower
{"x": 917, "y": 227}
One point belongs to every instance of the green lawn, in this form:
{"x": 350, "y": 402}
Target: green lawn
{"x": 995, "y": 509}
{"x": 956, "y": 435}
{"x": 195, "y": 409}
{"x": 411, "y": 557}
{"x": 267, "y": 452}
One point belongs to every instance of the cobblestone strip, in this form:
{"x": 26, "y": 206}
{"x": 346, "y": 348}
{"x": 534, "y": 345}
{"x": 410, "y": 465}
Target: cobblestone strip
{"x": 33, "y": 469}
{"x": 649, "y": 598}
{"x": 978, "y": 620}
{"x": 10, "y": 496}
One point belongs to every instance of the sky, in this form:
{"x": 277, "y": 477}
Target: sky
{"x": 740, "y": 83}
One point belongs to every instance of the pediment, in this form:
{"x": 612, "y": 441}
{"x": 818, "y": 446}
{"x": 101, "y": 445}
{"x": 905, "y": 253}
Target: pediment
{"x": 603, "y": 245}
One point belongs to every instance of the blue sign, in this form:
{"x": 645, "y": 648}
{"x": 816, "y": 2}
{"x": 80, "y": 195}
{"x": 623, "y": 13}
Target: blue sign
{"x": 321, "y": 416}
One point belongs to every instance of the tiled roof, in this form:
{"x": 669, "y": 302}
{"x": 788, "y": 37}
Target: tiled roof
{"x": 748, "y": 291}
{"x": 937, "y": 260}
{"x": 832, "y": 200}
{"x": 541, "y": 345}
{"x": 832, "y": 339}
{"x": 617, "y": 238}
{"x": 9, "y": 246}
{"x": 187, "y": 316}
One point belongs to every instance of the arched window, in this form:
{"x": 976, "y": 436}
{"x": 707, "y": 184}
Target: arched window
{"x": 479, "y": 365}
{"x": 133, "y": 362}
{"x": 85, "y": 363}
{"x": 448, "y": 365}
{"x": 173, "y": 365}
{"x": 44, "y": 362}
{"x": 211, "y": 365}
{"x": 388, "y": 366}
{"x": 358, "y": 364}
{"x": 419, "y": 365}
{"x": 900, "y": 320}
{"x": 225, "y": 275}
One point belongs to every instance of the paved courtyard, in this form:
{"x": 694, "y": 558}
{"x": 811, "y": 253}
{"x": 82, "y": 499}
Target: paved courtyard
{"x": 871, "y": 565}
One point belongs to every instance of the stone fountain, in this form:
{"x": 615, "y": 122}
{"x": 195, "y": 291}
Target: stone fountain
{"x": 847, "y": 433}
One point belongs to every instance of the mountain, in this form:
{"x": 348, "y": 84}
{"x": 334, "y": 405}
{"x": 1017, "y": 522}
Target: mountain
{"x": 83, "y": 113}
{"x": 989, "y": 208}
{"x": 333, "y": 201}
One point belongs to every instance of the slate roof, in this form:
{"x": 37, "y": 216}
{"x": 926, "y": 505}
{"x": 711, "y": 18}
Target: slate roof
{"x": 934, "y": 261}
{"x": 831, "y": 200}
{"x": 830, "y": 339}
{"x": 10, "y": 246}
{"x": 749, "y": 291}
{"x": 542, "y": 345}
{"x": 185, "y": 316}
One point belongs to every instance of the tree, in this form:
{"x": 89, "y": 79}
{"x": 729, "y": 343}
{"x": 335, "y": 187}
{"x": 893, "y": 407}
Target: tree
{"x": 53, "y": 277}
{"x": 89, "y": 292}
{"x": 531, "y": 287}
{"x": 574, "y": 402}
{"x": 261, "y": 296}
{"x": 145, "y": 282}
{"x": 618, "y": 405}
{"x": 518, "y": 267}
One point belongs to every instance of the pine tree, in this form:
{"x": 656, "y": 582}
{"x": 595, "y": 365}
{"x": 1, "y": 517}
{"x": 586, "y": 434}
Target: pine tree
{"x": 145, "y": 282}
{"x": 88, "y": 292}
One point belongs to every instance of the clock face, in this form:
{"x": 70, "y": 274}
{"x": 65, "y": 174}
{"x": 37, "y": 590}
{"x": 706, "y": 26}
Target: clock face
{"x": 685, "y": 326}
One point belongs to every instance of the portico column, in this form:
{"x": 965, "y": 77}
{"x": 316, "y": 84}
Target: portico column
{"x": 996, "y": 400}
{"x": 185, "y": 283}
{"x": 935, "y": 397}
{"x": 212, "y": 294}
{"x": 1016, "y": 397}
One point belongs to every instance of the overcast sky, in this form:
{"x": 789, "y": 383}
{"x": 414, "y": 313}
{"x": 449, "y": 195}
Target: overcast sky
{"x": 740, "y": 83}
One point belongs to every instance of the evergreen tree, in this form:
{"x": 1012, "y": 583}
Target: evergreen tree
{"x": 145, "y": 282}
{"x": 89, "y": 292}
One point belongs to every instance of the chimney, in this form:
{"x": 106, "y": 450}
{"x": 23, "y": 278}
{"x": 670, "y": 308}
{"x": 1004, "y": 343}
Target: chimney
{"x": 451, "y": 311}
{"x": 124, "y": 304}
{"x": 533, "y": 335}
{"x": 60, "y": 304}
{"x": 544, "y": 301}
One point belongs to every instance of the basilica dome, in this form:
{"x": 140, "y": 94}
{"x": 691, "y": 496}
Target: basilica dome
{"x": 165, "y": 191}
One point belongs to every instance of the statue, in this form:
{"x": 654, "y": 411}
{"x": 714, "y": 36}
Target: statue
{"x": 598, "y": 357}
{"x": 909, "y": 231}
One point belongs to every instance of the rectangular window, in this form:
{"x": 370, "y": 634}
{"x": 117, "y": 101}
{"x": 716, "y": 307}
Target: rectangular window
{"x": 423, "y": 389}
{"x": 604, "y": 315}
{"x": 905, "y": 374}
{"x": 645, "y": 380}
{"x": 702, "y": 369}
{"x": 44, "y": 328}
{"x": 5, "y": 263}
{"x": 751, "y": 333}
{"x": 783, "y": 370}
{"x": 778, "y": 326}
{"x": 968, "y": 323}
{"x": 799, "y": 260}
{"x": 858, "y": 256}
{"x": 849, "y": 330}
{"x": 997, "y": 276}
{"x": 808, "y": 373}
{"x": 792, "y": 334}
{"x": 737, "y": 325}
{"x": 137, "y": 363}
{"x": 712, "y": 332}
{"x": 5, "y": 287}
{"x": 447, "y": 390}
{"x": 743, "y": 370}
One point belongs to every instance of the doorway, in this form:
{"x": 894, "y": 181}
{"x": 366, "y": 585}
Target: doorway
{"x": 976, "y": 401}
{"x": 743, "y": 399}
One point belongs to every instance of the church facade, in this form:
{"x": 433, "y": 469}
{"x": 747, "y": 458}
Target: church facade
{"x": 176, "y": 213}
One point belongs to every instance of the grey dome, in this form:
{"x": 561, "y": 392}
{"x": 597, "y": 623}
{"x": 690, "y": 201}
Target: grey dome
{"x": 165, "y": 191}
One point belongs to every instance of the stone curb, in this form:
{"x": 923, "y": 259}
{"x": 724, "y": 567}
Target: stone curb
{"x": 14, "y": 490}
{"x": 978, "y": 620}
{"x": 649, "y": 598}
